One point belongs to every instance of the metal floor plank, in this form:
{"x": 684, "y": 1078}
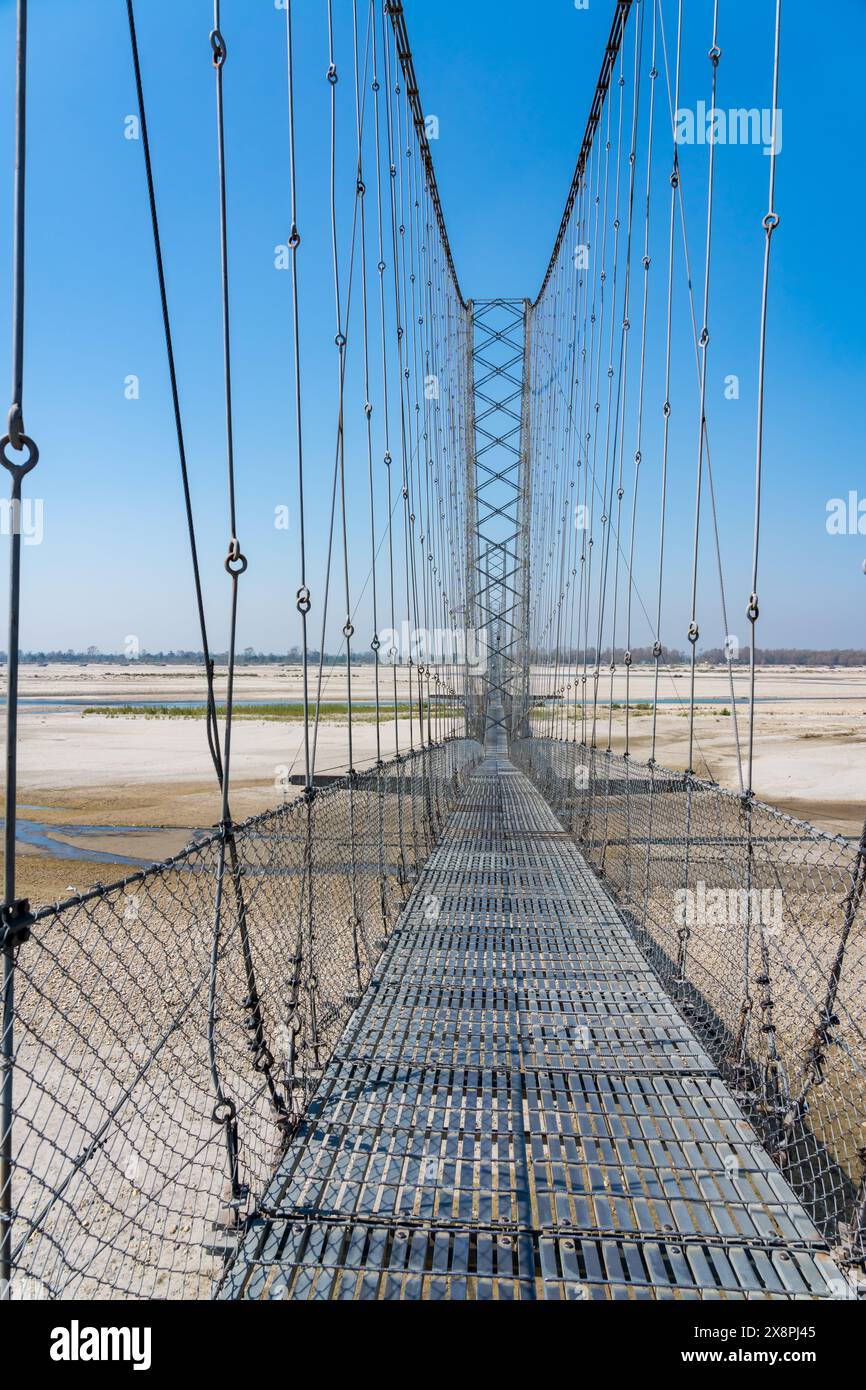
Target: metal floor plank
{"x": 518, "y": 1111}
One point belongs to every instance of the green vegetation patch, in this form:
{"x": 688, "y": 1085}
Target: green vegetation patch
{"x": 283, "y": 714}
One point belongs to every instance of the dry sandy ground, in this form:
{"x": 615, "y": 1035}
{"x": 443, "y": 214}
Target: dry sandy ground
{"x": 80, "y": 771}
{"x": 810, "y": 736}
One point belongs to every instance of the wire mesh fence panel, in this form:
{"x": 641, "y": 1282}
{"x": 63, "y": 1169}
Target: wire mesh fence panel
{"x": 756, "y": 925}
{"x": 165, "y": 1052}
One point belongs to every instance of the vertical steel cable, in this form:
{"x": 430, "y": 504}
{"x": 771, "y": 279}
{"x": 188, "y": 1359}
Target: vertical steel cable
{"x": 583, "y": 461}
{"x": 368, "y": 405}
{"x": 338, "y": 477}
{"x": 386, "y": 404}
{"x": 770, "y": 223}
{"x": 625, "y": 339}
{"x": 355, "y": 923}
{"x": 368, "y": 417}
{"x": 398, "y": 239}
{"x": 666, "y": 410}
{"x": 395, "y": 161}
{"x": 588, "y": 463}
{"x": 684, "y": 932}
{"x": 694, "y": 631}
{"x": 638, "y": 456}
{"x": 407, "y": 233}
{"x": 302, "y": 598}
{"x": 341, "y": 342}
{"x": 15, "y": 913}
{"x": 595, "y": 407}
{"x": 619, "y": 437}
{"x": 609, "y": 471}
{"x": 707, "y": 454}
{"x": 225, "y": 1111}
{"x": 773, "y": 1078}
{"x": 303, "y": 603}
{"x": 211, "y": 715}
{"x": 382, "y": 267}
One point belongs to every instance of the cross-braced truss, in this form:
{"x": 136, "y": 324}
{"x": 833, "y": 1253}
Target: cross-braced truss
{"x": 501, "y": 505}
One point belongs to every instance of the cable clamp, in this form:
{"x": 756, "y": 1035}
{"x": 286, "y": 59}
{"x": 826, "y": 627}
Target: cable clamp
{"x": 15, "y": 425}
{"x": 224, "y": 1112}
{"x": 218, "y": 44}
{"x": 17, "y": 921}
{"x": 236, "y": 562}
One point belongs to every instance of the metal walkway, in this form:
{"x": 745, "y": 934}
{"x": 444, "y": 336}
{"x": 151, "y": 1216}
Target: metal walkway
{"x": 517, "y": 1110}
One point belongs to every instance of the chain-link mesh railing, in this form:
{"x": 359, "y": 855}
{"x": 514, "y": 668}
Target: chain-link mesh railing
{"x": 161, "y": 1064}
{"x": 756, "y": 924}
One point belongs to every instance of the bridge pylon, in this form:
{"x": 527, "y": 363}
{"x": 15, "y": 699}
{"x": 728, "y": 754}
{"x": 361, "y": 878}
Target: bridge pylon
{"x": 499, "y": 512}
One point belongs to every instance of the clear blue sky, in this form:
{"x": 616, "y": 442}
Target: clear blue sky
{"x": 511, "y": 86}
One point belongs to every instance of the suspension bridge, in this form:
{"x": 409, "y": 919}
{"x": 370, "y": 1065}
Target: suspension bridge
{"x": 451, "y": 1026}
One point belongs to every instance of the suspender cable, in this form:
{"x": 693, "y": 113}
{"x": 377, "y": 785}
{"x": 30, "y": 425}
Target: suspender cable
{"x": 710, "y": 480}
{"x": 623, "y": 365}
{"x": 211, "y": 714}
{"x": 666, "y": 409}
{"x": 302, "y": 598}
{"x": 694, "y": 631}
{"x": 770, "y": 223}
{"x": 638, "y": 455}
{"x": 225, "y": 1110}
{"x": 386, "y": 394}
{"x": 15, "y": 913}
{"x": 368, "y": 405}
{"x": 341, "y": 342}
{"x": 609, "y": 471}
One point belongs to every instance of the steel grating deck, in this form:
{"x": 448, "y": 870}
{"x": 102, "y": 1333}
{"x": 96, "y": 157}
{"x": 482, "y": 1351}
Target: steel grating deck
{"x": 518, "y": 1111}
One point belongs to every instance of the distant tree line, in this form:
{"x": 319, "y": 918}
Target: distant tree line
{"x": 248, "y": 657}
{"x": 791, "y": 656}
{"x": 711, "y": 656}
{"x": 641, "y": 656}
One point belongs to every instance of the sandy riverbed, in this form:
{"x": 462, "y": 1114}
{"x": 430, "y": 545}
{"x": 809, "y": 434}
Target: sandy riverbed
{"x": 80, "y": 771}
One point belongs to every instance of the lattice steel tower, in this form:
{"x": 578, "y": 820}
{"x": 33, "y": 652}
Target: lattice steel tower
{"x": 500, "y": 510}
